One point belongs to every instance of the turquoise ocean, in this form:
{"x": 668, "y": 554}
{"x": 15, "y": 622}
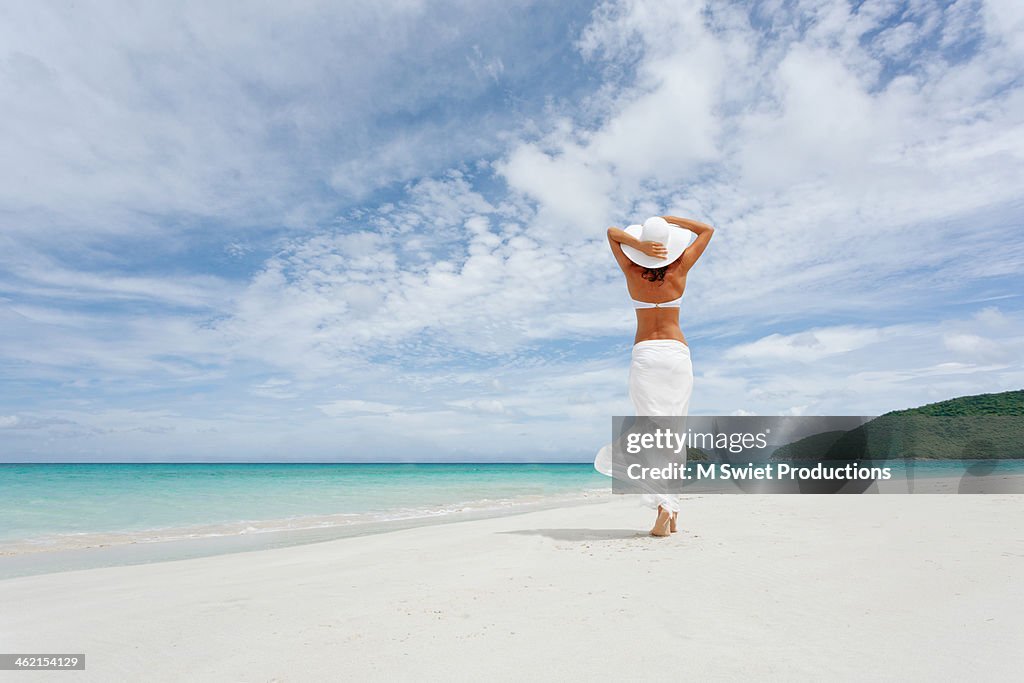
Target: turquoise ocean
{"x": 64, "y": 506}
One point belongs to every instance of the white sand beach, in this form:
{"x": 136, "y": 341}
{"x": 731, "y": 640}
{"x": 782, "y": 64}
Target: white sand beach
{"x": 778, "y": 587}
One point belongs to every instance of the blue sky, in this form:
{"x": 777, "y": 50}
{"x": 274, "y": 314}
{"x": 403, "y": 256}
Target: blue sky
{"x": 326, "y": 231}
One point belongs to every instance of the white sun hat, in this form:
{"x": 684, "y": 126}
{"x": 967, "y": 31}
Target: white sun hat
{"x": 657, "y": 229}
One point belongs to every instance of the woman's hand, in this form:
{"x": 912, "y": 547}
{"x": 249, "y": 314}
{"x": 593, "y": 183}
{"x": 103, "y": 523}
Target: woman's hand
{"x": 653, "y": 249}
{"x": 618, "y": 237}
{"x": 693, "y": 226}
{"x": 697, "y": 247}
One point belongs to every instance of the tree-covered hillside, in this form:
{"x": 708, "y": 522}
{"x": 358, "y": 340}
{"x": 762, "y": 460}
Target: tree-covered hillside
{"x": 968, "y": 427}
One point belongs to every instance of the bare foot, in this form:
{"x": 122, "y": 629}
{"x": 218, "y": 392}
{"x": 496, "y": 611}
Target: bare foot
{"x": 672, "y": 524}
{"x": 663, "y": 524}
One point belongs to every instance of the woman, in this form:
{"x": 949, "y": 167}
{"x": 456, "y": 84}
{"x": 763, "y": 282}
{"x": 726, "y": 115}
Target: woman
{"x": 656, "y": 259}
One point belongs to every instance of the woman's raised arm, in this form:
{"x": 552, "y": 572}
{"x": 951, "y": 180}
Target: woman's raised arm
{"x": 703, "y": 232}
{"x": 618, "y": 236}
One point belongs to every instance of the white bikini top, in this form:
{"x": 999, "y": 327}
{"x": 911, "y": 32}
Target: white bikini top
{"x": 675, "y": 303}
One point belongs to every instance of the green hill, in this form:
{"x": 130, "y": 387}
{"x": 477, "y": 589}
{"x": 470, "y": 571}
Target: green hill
{"x": 984, "y": 426}
{"x": 1006, "y": 403}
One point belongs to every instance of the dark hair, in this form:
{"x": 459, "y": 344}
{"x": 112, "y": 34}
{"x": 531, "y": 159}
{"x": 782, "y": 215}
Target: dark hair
{"x": 654, "y": 274}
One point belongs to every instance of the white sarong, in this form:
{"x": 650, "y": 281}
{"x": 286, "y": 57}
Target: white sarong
{"x": 660, "y": 383}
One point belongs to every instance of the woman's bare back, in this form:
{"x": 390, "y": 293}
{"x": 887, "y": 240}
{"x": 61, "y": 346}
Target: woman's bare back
{"x": 657, "y": 323}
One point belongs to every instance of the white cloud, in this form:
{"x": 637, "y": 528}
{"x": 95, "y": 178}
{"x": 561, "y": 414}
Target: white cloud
{"x": 862, "y": 165}
{"x": 863, "y": 371}
{"x": 808, "y": 346}
{"x": 485, "y": 67}
{"x": 1004, "y": 21}
{"x": 35, "y": 275}
{"x": 132, "y": 122}
{"x": 346, "y": 408}
{"x": 492, "y": 407}
{"x": 980, "y": 348}
{"x": 277, "y": 388}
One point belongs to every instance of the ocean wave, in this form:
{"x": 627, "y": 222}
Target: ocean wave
{"x": 349, "y": 520}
